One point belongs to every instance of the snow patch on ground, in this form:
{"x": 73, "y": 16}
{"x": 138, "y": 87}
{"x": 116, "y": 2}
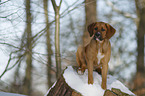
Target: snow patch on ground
{"x": 10, "y": 94}
{"x": 80, "y": 83}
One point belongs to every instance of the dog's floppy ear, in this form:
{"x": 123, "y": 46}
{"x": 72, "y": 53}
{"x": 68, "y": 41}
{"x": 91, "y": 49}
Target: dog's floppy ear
{"x": 91, "y": 29}
{"x": 110, "y": 31}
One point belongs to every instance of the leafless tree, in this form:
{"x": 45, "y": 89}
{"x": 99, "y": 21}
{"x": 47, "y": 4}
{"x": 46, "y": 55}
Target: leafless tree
{"x": 139, "y": 81}
{"x": 48, "y": 43}
{"x": 90, "y": 17}
{"x": 28, "y": 73}
{"x": 57, "y": 35}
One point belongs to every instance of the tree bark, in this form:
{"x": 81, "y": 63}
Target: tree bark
{"x": 28, "y": 73}
{"x": 62, "y": 89}
{"x": 48, "y": 43}
{"x": 57, "y": 39}
{"x": 139, "y": 81}
{"x": 57, "y": 43}
{"x": 115, "y": 92}
{"x": 91, "y": 16}
{"x": 140, "y": 37}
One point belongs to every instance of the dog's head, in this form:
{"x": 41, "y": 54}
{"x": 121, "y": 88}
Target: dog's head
{"x": 101, "y": 31}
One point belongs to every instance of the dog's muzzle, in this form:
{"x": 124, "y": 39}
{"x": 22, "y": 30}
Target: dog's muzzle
{"x": 98, "y": 36}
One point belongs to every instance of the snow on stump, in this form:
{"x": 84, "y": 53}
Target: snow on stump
{"x": 73, "y": 84}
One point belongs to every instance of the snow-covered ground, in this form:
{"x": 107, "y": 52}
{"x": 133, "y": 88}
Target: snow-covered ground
{"x": 10, "y": 94}
{"x": 80, "y": 83}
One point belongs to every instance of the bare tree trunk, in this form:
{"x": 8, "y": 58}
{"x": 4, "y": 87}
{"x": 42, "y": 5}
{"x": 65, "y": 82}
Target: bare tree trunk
{"x": 48, "y": 42}
{"x": 57, "y": 43}
{"x": 139, "y": 81}
{"x": 28, "y": 73}
{"x": 91, "y": 15}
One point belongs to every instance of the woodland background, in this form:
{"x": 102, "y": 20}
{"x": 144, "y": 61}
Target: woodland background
{"x": 39, "y": 38}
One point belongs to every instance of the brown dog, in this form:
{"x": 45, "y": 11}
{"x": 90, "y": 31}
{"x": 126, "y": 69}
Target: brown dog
{"x": 97, "y": 53}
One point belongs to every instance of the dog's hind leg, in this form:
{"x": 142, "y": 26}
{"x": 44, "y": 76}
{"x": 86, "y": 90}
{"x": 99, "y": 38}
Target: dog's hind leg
{"x": 81, "y": 60}
{"x": 78, "y": 59}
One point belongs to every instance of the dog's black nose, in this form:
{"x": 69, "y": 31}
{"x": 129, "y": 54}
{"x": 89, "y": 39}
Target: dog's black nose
{"x": 98, "y": 36}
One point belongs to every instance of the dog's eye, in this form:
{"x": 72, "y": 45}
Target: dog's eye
{"x": 102, "y": 29}
{"x": 96, "y": 28}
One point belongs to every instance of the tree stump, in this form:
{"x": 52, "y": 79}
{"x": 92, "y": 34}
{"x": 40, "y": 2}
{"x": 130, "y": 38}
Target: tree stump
{"x": 79, "y": 82}
{"x": 61, "y": 88}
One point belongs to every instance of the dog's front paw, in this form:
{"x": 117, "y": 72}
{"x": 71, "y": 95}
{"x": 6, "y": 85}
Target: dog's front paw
{"x": 103, "y": 86}
{"x": 80, "y": 71}
{"x": 90, "y": 81}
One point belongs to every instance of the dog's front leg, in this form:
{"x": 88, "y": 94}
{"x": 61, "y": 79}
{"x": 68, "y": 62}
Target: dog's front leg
{"x": 90, "y": 72}
{"x": 104, "y": 75}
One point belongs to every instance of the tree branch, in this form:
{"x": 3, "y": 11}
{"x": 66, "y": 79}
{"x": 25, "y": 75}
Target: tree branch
{"x": 60, "y": 4}
{"x": 54, "y": 5}
{"x": 19, "y": 60}
{"x": 8, "y": 63}
{"x": 66, "y": 11}
{"x": 10, "y": 57}
{"x": 4, "y": 2}
{"x": 127, "y": 15}
{"x": 9, "y": 45}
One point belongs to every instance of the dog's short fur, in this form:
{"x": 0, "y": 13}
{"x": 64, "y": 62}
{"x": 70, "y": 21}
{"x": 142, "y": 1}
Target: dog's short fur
{"x": 97, "y": 53}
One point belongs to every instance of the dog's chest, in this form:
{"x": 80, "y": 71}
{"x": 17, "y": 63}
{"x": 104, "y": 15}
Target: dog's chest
{"x": 100, "y": 54}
